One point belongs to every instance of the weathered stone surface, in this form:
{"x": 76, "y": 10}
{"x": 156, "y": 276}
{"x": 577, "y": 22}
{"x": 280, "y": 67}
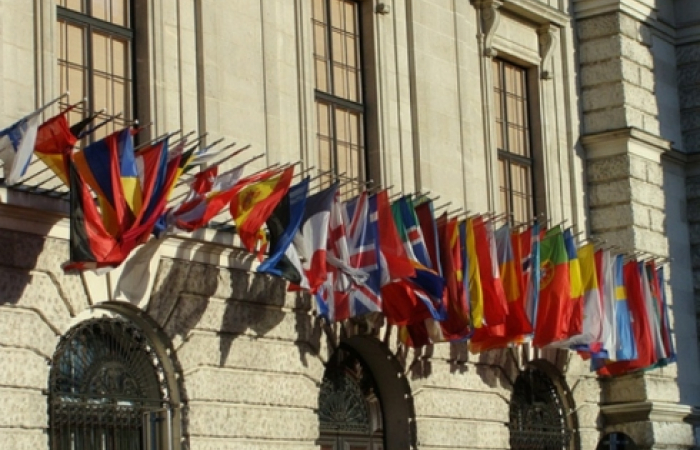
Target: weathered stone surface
{"x": 14, "y": 323}
{"x": 244, "y": 352}
{"x": 688, "y": 53}
{"x": 21, "y": 439}
{"x": 22, "y": 368}
{"x": 614, "y": 192}
{"x": 460, "y": 404}
{"x": 630, "y": 388}
{"x": 647, "y": 193}
{"x": 445, "y": 433}
{"x": 612, "y": 217}
{"x": 481, "y": 378}
{"x": 23, "y": 409}
{"x": 228, "y": 443}
{"x": 252, "y": 388}
{"x": 608, "y": 169}
{"x": 251, "y": 422}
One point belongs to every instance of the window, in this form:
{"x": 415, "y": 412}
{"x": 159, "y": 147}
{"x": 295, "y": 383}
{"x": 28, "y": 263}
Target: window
{"x": 515, "y": 161}
{"x": 95, "y": 58}
{"x": 340, "y": 107}
{"x": 107, "y": 385}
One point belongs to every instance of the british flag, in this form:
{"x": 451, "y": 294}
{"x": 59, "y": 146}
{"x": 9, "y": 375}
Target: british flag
{"x": 352, "y": 288}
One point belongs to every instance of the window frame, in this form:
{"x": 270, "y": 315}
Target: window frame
{"x": 504, "y": 154}
{"x": 92, "y": 25}
{"x": 334, "y": 102}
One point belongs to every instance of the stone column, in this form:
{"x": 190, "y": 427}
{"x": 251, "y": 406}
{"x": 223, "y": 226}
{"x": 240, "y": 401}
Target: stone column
{"x": 628, "y": 192}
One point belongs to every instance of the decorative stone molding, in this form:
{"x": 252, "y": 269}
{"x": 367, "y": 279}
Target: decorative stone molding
{"x": 548, "y": 39}
{"x": 490, "y": 17}
{"x": 653, "y": 411}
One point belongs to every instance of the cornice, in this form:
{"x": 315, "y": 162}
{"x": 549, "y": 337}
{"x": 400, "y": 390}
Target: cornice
{"x": 625, "y": 140}
{"x": 652, "y": 411}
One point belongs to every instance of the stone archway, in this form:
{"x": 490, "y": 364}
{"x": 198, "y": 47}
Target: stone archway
{"x": 362, "y": 381}
{"x": 542, "y": 410}
{"x": 112, "y": 384}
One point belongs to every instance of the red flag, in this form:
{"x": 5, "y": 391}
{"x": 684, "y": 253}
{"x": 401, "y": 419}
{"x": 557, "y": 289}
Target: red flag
{"x": 395, "y": 264}
{"x": 495, "y": 303}
{"x": 457, "y": 326}
{"x": 554, "y": 307}
{"x": 426, "y": 221}
{"x": 54, "y": 143}
{"x": 253, "y": 204}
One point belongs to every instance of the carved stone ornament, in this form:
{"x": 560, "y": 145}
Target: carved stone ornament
{"x": 490, "y": 16}
{"x": 547, "y": 35}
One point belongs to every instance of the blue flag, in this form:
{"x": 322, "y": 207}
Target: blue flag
{"x": 283, "y": 225}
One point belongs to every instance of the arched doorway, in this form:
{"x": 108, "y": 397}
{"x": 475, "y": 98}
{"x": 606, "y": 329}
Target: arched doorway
{"x": 349, "y": 409}
{"x": 542, "y": 412}
{"x": 109, "y": 389}
{"x": 365, "y": 402}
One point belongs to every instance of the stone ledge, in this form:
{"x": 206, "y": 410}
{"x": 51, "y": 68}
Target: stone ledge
{"x": 652, "y": 411}
{"x": 616, "y": 142}
{"x": 228, "y": 443}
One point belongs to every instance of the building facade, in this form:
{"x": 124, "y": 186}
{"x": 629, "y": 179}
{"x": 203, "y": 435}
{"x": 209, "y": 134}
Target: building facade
{"x": 577, "y": 111}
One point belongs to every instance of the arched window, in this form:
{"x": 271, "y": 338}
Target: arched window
{"x": 349, "y": 409}
{"x": 541, "y": 412}
{"x": 106, "y": 382}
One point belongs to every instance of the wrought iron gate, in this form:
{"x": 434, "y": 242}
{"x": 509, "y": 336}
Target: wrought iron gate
{"x": 104, "y": 376}
{"x": 538, "y": 414}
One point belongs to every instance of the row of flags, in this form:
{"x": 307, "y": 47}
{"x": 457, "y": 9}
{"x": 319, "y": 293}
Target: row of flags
{"x": 439, "y": 279}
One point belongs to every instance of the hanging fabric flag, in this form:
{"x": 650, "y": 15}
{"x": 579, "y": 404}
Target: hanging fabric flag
{"x": 361, "y": 235}
{"x": 254, "y": 203}
{"x": 640, "y": 326}
{"x": 653, "y": 313}
{"x": 410, "y": 233}
{"x": 626, "y": 348}
{"x": 576, "y": 322}
{"x": 394, "y": 260}
{"x": 426, "y": 221}
{"x": 55, "y": 140}
{"x": 606, "y": 283}
{"x": 283, "y": 260}
{"x": 16, "y": 147}
{"x": 494, "y": 298}
{"x": 476, "y": 295}
{"x": 92, "y": 245}
{"x": 209, "y": 194}
{"x": 517, "y": 324}
{"x": 457, "y": 324}
{"x": 531, "y": 253}
{"x": 668, "y": 339}
{"x": 589, "y": 339}
{"x": 554, "y": 308}
{"x": 312, "y": 238}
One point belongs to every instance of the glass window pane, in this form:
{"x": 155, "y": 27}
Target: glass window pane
{"x": 100, "y": 52}
{"x": 320, "y": 41}
{"x": 120, "y": 13}
{"x": 75, "y": 45}
{"x": 318, "y": 12}
{"x": 120, "y": 63}
{"x": 339, "y": 82}
{"x": 336, "y": 13}
{"x": 101, "y": 10}
{"x": 76, "y": 5}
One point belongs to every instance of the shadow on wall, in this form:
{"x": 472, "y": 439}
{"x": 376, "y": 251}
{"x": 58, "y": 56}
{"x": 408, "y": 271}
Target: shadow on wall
{"x": 191, "y": 296}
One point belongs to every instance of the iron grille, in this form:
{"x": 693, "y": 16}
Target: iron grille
{"x": 104, "y": 377}
{"x": 538, "y": 419}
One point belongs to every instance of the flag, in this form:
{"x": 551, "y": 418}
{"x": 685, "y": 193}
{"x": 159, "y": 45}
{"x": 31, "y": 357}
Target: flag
{"x": 576, "y": 322}
{"x": 55, "y": 141}
{"x": 668, "y": 339}
{"x": 410, "y": 233}
{"x": 494, "y": 298}
{"x": 652, "y": 307}
{"x": 476, "y": 293}
{"x": 426, "y": 221}
{"x": 639, "y": 323}
{"x": 554, "y": 308}
{"x": 92, "y": 244}
{"x": 626, "y": 348}
{"x": 284, "y": 222}
{"x": 311, "y": 239}
{"x": 16, "y": 147}
{"x": 254, "y": 203}
{"x": 100, "y": 165}
{"x": 361, "y": 236}
{"x": 606, "y": 286}
{"x": 393, "y": 257}
{"x": 531, "y": 254}
{"x": 457, "y": 324}
{"x": 589, "y": 338}
{"x": 204, "y": 202}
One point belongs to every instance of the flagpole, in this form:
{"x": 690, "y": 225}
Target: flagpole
{"x": 47, "y": 105}
{"x": 100, "y": 125}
